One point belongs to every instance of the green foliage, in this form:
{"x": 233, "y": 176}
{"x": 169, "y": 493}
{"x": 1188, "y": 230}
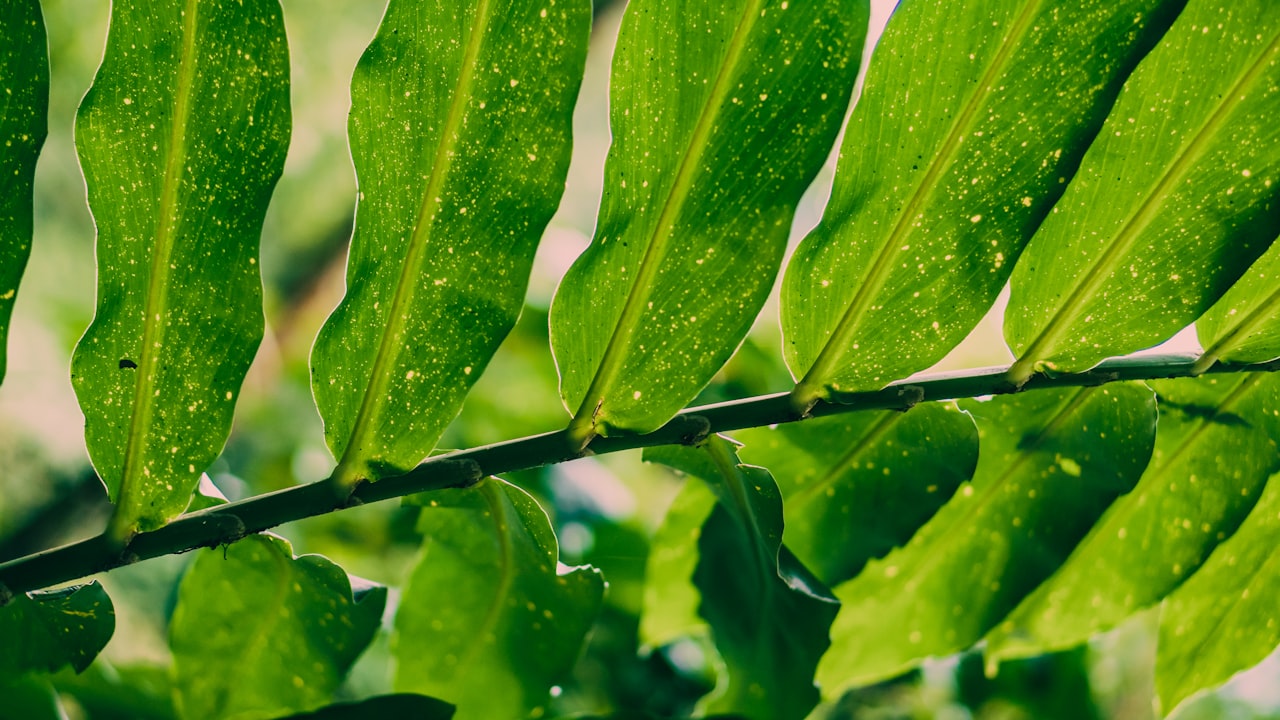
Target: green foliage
{"x": 48, "y": 630}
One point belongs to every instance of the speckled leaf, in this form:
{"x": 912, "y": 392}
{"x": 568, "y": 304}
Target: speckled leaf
{"x": 486, "y": 622}
{"x": 1226, "y": 617}
{"x": 181, "y": 138}
{"x": 46, "y": 631}
{"x": 1215, "y": 448}
{"x": 1244, "y": 326}
{"x": 1051, "y": 462}
{"x": 670, "y": 609}
{"x": 859, "y": 485}
{"x": 768, "y": 615}
{"x": 722, "y": 113}
{"x": 24, "y": 108}
{"x": 411, "y": 707}
{"x": 258, "y": 633}
{"x": 973, "y": 116}
{"x": 460, "y": 130}
{"x": 1178, "y": 196}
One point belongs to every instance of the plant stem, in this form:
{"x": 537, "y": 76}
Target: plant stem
{"x": 227, "y": 523}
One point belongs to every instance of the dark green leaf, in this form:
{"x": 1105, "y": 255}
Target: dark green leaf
{"x": 1244, "y": 326}
{"x": 1178, "y": 196}
{"x": 29, "y": 697}
{"x": 24, "y": 79}
{"x": 974, "y": 114}
{"x": 1051, "y": 463}
{"x": 859, "y": 485}
{"x": 722, "y": 113}
{"x": 1215, "y": 448}
{"x": 258, "y": 633}
{"x": 460, "y": 130}
{"x": 486, "y": 622}
{"x": 45, "y": 631}
{"x": 181, "y": 138}
{"x": 406, "y": 706}
{"x": 1226, "y": 617}
{"x": 768, "y": 615}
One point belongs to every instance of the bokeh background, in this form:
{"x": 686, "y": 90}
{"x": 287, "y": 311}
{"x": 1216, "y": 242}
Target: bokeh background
{"x": 604, "y": 509}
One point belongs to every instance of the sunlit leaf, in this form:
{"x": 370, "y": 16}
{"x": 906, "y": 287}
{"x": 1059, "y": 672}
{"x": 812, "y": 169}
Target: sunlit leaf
{"x": 1226, "y": 617}
{"x": 722, "y": 113}
{"x": 486, "y": 622}
{"x": 1178, "y": 196}
{"x": 258, "y": 633}
{"x": 1215, "y": 448}
{"x": 24, "y": 81}
{"x": 1051, "y": 463}
{"x": 460, "y": 131}
{"x": 1244, "y": 326}
{"x": 670, "y": 597}
{"x": 859, "y": 485}
{"x": 181, "y": 138}
{"x": 974, "y": 114}
{"x": 46, "y": 631}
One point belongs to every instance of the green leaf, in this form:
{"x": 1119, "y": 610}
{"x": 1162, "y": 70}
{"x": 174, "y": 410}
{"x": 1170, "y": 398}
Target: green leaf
{"x": 181, "y": 138}
{"x": 973, "y": 115}
{"x": 1170, "y": 206}
{"x": 1051, "y": 463}
{"x": 768, "y": 615}
{"x": 46, "y": 631}
{"x": 486, "y": 622}
{"x": 258, "y": 633}
{"x": 24, "y": 80}
{"x": 460, "y": 130}
{"x": 722, "y": 113}
{"x": 670, "y": 609}
{"x": 859, "y": 485}
{"x": 1226, "y": 617}
{"x": 1244, "y": 326}
{"x": 402, "y": 705}
{"x": 1215, "y": 448}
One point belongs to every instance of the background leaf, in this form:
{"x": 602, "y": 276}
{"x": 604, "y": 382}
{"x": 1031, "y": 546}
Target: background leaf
{"x": 401, "y": 705}
{"x": 721, "y": 113}
{"x": 258, "y": 633}
{"x": 1168, "y": 208}
{"x": 670, "y": 598}
{"x": 45, "y": 631}
{"x": 1051, "y": 462}
{"x": 24, "y": 78}
{"x": 973, "y": 116}
{"x": 1244, "y": 326}
{"x": 486, "y": 622}
{"x": 460, "y": 132}
{"x": 181, "y": 138}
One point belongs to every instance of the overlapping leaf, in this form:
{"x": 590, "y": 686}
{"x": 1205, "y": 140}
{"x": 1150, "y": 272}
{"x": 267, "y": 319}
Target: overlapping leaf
{"x": 1051, "y": 463}
{"x": 860, "y": 485}
{"x": 46, "y": 631}
{"x": 486, "y": 622}
{"x": 670, "y": 605}
{"x": 258, "y": 633}
{"x": 181, "y": 138}
{"x": 1215, "y": 448}
{"x": 460, "y": 130}
{"x": 1244, "y": 326}
{"x": 1178, "y": 196}
{"x": 722, "y": 113}
{"x": 24, "y": 82}
{"x": 973, "y": 116}
{"x": 1226, "y": 618}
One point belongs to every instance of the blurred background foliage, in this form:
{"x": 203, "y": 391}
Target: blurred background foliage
{"x": 604, "y": 509}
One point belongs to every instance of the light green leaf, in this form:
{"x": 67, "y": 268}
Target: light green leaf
{"x": 181, "y": 138}
{"x": 486, "y": 622}
{"x": 670, "y": 609}
{"x": 722, "y": 113}
{"x": 973, "y": 114}
{"x": 46, "y": 631}
{"x": 24, "y": 81}
{"x": 1051, "y": 463}
{"x": 1226, "y": 617}
{"x": 1170, "y": 206}
{"x": 1215, "y": 448}
{"x": 859, "y": 485}
{"x": 258, "y": 633}
{"x": 768, "y": 615}
{"x": 416, "y": 707}
{"x": 460, "y": 130}
{"x": 1244, "y": 326}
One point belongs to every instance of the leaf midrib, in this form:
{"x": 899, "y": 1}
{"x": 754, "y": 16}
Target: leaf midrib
{"x": 350, "y": 468}
{"x": 583, "y": 425}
